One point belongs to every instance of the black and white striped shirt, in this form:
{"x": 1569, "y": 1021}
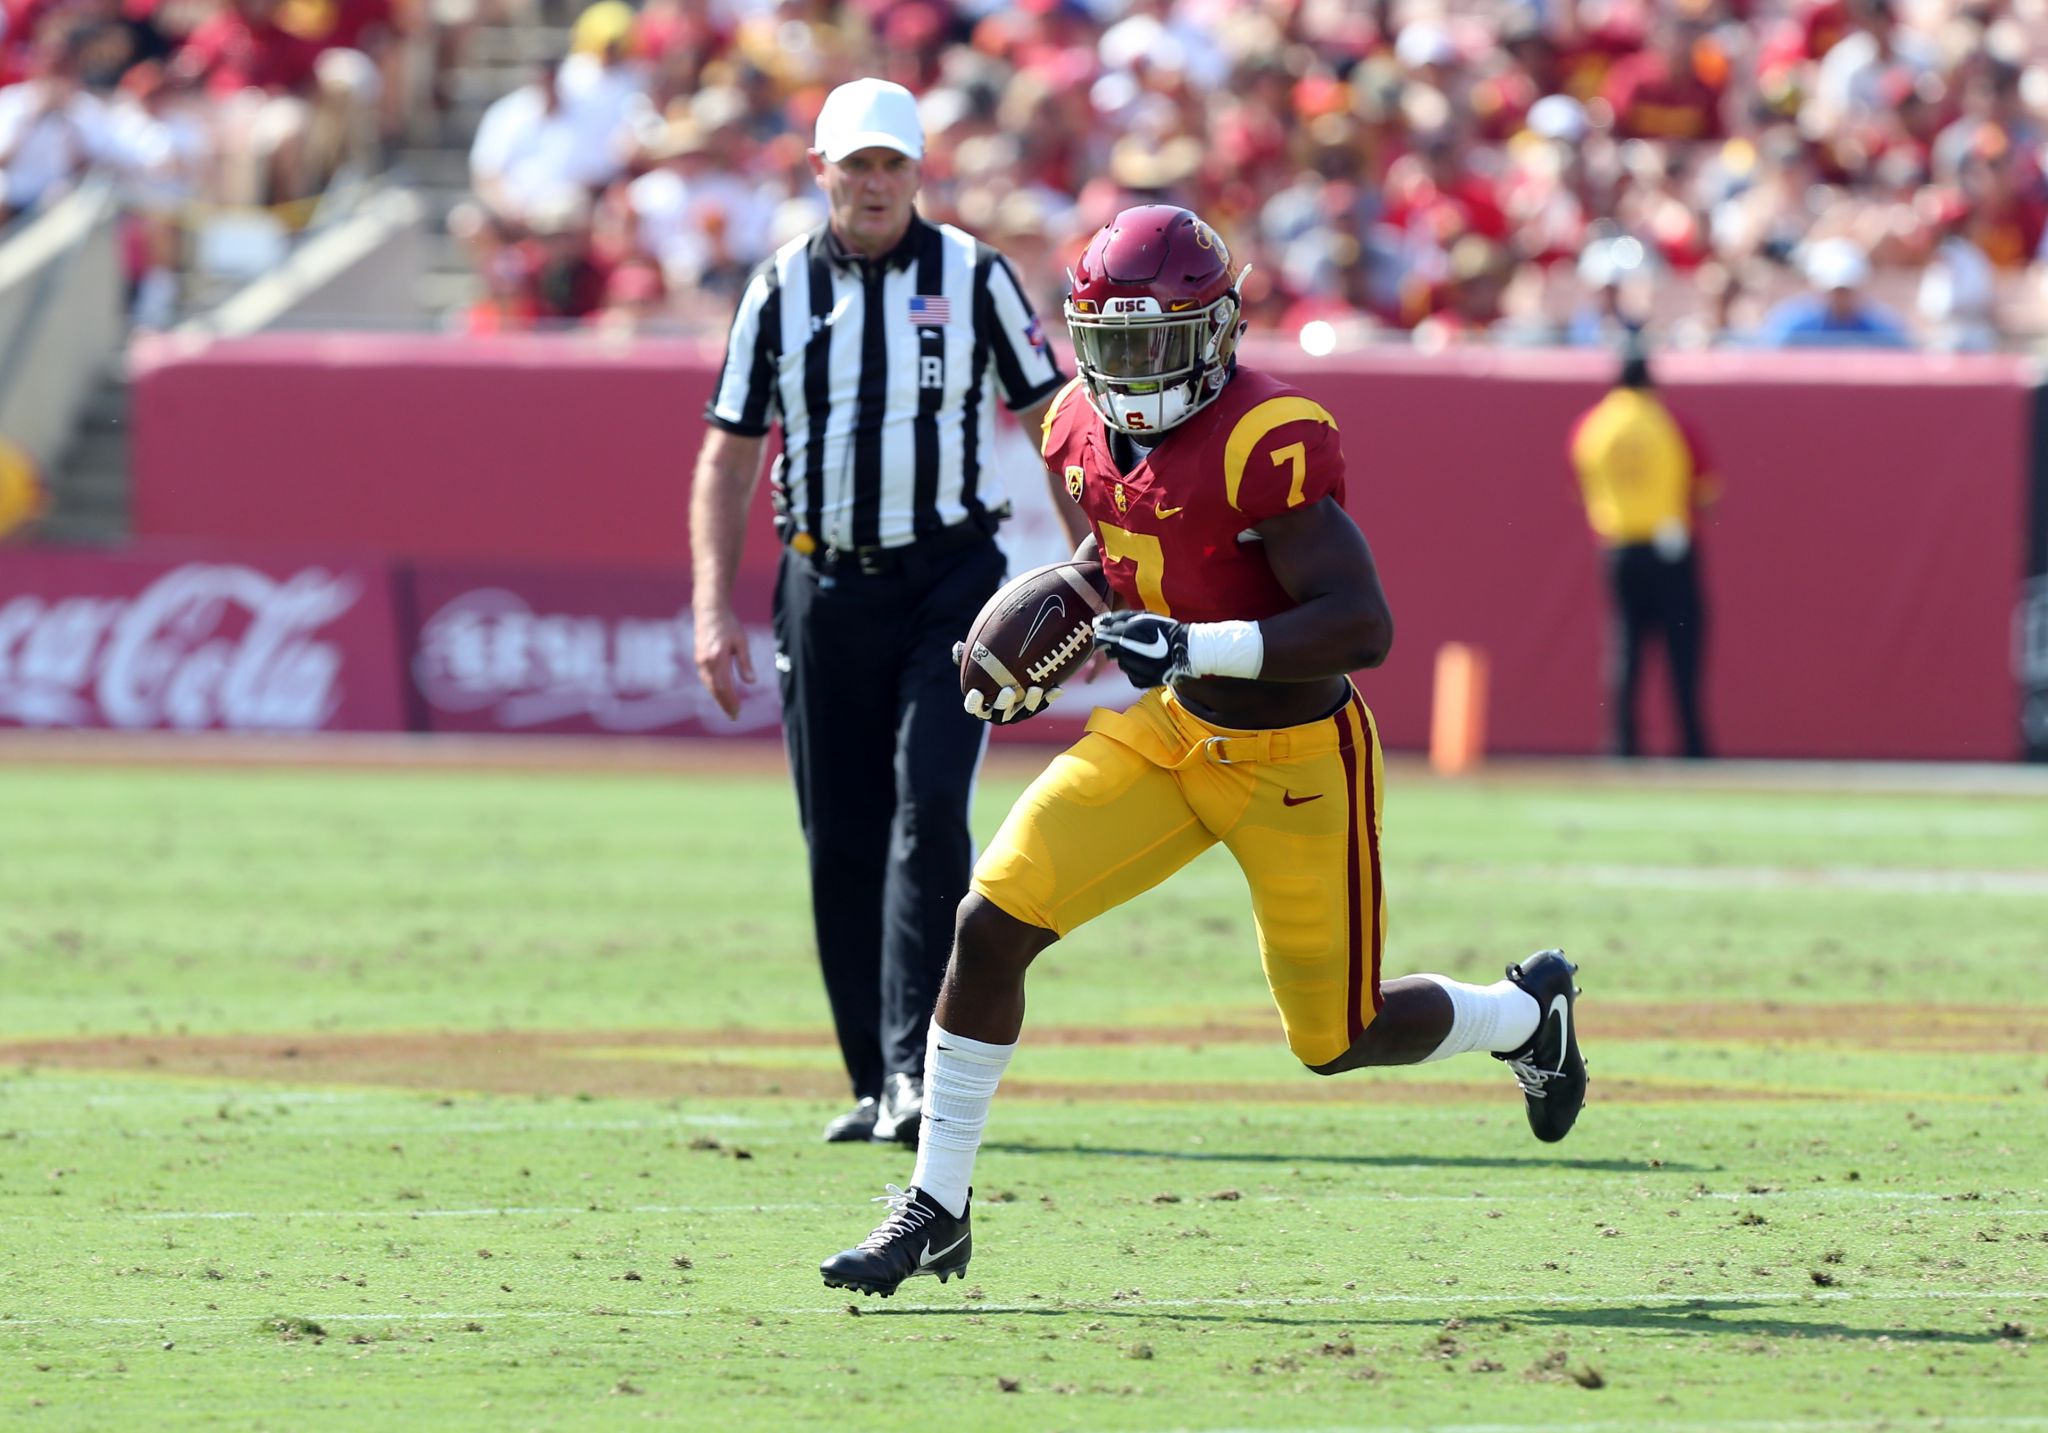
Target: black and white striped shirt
{"x": 884, "y": 376}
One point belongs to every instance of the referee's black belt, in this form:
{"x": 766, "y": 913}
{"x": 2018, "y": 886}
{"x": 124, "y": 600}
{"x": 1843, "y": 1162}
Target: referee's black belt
{"x": 891, "y": 561}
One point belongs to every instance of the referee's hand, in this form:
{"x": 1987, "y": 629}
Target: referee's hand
{"x": 722, "y": 647}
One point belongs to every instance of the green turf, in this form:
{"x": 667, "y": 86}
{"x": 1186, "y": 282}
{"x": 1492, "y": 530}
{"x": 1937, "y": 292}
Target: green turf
{"x": 1850, "y": 1238}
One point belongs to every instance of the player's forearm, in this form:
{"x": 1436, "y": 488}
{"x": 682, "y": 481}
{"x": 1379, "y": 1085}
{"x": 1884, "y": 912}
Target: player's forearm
{"x": 728, "y": 467}
{"x": 1326, "y": 636}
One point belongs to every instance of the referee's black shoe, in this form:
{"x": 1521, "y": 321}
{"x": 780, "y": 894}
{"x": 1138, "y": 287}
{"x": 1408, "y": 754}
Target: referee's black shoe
{"x": 1550, "y": 1069}
{"x": 900, "y": 1114}
{"x": 918, "y": 1237}
{"x": 857, "y": 1123}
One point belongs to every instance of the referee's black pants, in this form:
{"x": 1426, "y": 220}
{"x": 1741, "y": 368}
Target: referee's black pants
{"x": 884, "y": 761}
{"x": 1655, "y": 597}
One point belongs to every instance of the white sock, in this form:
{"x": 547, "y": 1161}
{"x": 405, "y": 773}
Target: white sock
{"x": 960, "y": 1078}
{"x": 1498, "y": 1017}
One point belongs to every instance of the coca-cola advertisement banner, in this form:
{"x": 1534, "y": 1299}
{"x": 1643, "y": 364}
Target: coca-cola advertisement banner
{"x": 143, "y": 642}
{"x": 506, "y": 650}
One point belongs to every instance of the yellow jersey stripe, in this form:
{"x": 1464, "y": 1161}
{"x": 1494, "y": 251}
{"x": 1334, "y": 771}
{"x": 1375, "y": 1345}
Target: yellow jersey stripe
{"x": 1255, "y": 425}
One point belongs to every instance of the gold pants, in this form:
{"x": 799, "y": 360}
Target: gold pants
{"x": 1148, "y": 790}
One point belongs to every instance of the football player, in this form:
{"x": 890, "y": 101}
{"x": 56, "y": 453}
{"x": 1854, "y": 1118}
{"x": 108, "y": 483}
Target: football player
{"x": 1247, "y": 596}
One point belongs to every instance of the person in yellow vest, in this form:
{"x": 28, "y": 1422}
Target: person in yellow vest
{"x": 22, "y": 498}
{"x": 1644, "y": 477}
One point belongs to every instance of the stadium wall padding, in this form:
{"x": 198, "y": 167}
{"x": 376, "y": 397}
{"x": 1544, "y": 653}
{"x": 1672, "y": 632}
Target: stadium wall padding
{"x": 2030, "y": 613}
{"x": 1861, "y": 567}
{"x": 169, "y": 637}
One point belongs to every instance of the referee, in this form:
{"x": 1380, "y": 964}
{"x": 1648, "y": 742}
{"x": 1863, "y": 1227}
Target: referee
{"x": 881, "y": 344}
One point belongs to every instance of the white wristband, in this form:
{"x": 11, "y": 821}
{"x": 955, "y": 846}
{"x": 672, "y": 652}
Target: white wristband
{"x": 1225, "y": 649}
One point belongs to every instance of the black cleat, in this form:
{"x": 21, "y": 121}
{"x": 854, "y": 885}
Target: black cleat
{"x": 1549, "y": 1068}
{"x": 900, "y": 1112}
{"x": 857, "y": 1123}
{"x": 918, "y": 1237}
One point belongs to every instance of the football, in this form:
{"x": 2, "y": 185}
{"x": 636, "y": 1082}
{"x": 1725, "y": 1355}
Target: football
{"x": 1036, "y": 630}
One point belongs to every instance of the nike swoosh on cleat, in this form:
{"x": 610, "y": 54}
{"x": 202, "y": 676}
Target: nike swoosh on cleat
{"x": 928, "y": 1258}
{"x": 1290, "y": 799}
{"x": 1562, "y": 1009}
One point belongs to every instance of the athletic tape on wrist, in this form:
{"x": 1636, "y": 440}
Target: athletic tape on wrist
{"x": 1226, "y": 649}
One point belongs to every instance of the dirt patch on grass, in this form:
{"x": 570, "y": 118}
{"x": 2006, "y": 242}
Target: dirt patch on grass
{"x": 606, "y": 1064}
{"x": 687, "y": 1063}
{"x": 1961, "y": 1029}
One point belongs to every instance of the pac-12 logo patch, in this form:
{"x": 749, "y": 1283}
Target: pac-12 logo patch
{"x": 1076, "y": 479}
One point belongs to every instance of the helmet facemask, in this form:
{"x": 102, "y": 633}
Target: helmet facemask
{"x": 1145, "y": 370}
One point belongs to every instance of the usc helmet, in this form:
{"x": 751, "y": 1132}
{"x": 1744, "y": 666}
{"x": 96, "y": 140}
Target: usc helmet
{"x": 1154, "y": 315}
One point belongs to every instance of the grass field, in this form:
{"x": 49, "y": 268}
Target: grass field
{"x": 444, "y": 1099}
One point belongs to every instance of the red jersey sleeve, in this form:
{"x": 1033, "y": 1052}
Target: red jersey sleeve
{"x": 1282, "y": 454}
{"x": 1059, "y": 418}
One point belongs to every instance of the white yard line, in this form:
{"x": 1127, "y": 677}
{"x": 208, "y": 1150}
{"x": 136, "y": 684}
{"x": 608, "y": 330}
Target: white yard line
{"x": 1715, "y": 1425}
{"x": 1780, "y": 819}
{"x": 1944, "y": 1205}
{"x": 1820, "y": 778}
{"x": 1442, "y": 1298}
{"x": 1878, "y": 880}
{"x": 246, "y": 1125}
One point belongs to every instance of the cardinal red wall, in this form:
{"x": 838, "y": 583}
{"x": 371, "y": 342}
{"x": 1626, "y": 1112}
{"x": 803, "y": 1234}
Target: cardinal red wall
{"x": 1862, "y": 569}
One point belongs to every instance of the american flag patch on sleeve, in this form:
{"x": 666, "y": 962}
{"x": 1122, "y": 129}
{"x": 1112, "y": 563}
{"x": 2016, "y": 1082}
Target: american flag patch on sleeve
{"x": 930, "y": 310}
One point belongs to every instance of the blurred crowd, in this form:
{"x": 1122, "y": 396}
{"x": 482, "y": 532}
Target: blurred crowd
{"x": 191, "y": 107}
{"x": 1723, "y": 171}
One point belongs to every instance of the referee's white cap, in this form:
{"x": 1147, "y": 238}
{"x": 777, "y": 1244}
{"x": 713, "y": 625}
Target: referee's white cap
{"x": 868, "y": 114}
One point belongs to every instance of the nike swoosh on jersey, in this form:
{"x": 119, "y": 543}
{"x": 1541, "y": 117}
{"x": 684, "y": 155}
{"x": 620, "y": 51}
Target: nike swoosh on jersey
{"x": 1561, "y": 1007}
{"x": 1159, "y": 511}
{"x": 928, "y": 1258}
{"x": 1290, "y": 799}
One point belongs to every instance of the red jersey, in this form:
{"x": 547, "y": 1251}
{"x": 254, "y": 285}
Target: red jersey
{"x": 1652, "y": 102}
{"x": 1177, "y": 531}
{"x": 235, "y": 53}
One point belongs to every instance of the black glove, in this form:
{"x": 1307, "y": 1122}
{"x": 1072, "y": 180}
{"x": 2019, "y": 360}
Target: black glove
{"x": 1152, "y": 650}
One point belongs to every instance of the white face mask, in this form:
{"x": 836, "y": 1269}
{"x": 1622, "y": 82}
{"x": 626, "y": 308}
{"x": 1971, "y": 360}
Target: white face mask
{"x": 1145, "y": 373}
{"x": 1147, "y": 416}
